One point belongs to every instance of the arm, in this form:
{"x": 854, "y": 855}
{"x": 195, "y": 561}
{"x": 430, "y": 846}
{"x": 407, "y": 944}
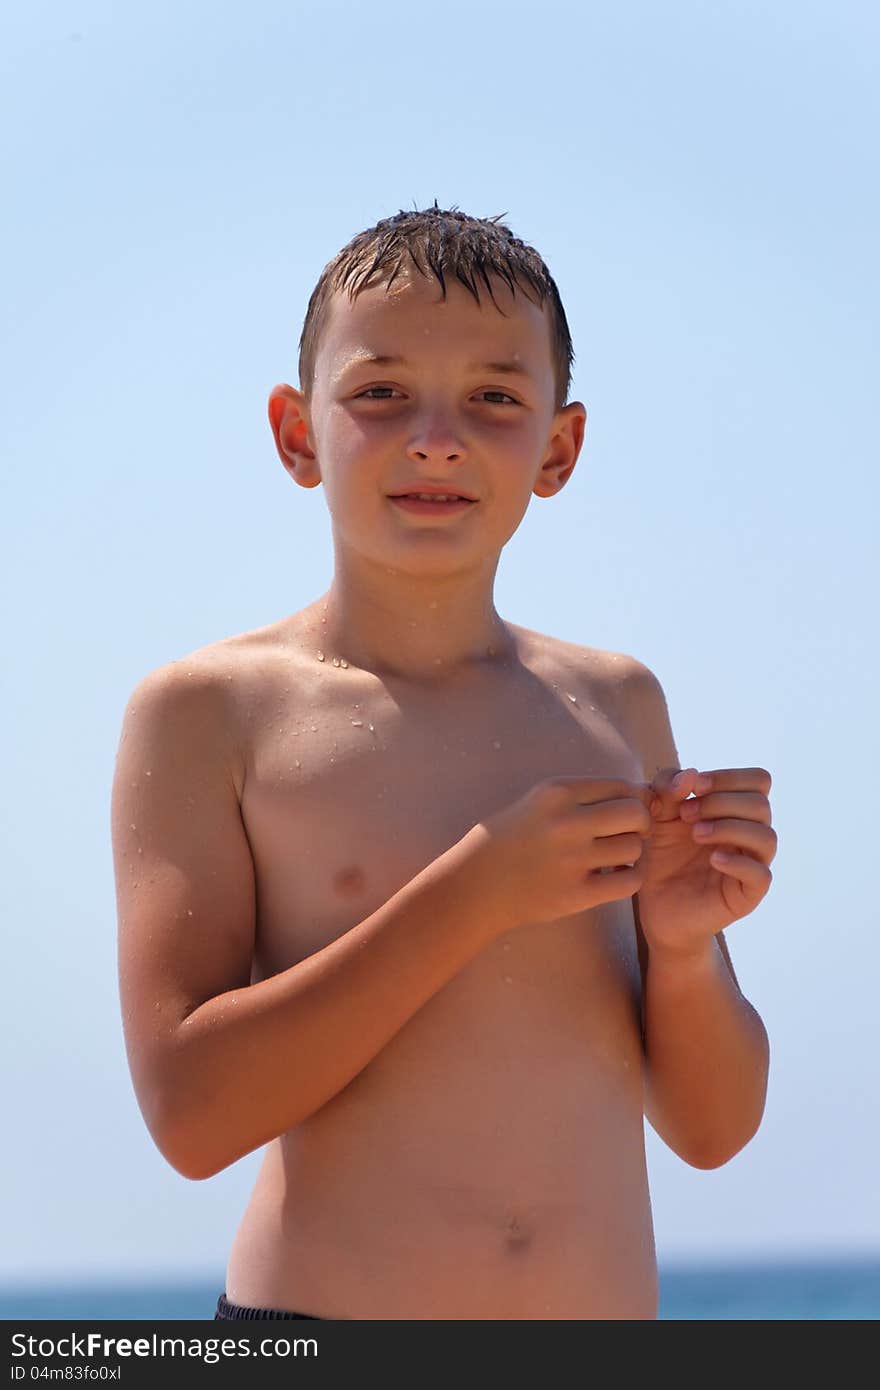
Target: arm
{"x": 706, "y": 1048}
{"x": 220, "y": 1066}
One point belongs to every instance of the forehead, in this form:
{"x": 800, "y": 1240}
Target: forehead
{"x": 412, "y": 318}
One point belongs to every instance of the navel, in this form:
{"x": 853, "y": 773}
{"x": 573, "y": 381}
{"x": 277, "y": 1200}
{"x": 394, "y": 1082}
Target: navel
{"x": 518, "y": 1233}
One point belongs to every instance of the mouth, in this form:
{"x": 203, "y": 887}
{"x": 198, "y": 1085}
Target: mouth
{"x": 432, "y": 506}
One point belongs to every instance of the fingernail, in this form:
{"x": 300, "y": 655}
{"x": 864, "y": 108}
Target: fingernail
{"x": 678, "y": 782}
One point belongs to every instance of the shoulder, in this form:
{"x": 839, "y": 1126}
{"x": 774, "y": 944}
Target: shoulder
{"x": 573, "y": 659}
{"x": 617, "y": 671}
{"x": 632, "y": 697}
{"x": 201, "y": 676}
{"x": 226, "y": 691}
{"x": 196, "y": 697}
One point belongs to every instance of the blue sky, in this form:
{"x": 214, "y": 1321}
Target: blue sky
{"x": 702, "y": 182}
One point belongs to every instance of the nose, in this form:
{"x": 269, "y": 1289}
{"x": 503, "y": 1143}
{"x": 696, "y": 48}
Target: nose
{"x": 436, "y": 440}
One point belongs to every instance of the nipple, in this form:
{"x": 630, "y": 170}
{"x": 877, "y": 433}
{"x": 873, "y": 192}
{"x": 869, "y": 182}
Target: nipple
{"x": 349, "y": 881}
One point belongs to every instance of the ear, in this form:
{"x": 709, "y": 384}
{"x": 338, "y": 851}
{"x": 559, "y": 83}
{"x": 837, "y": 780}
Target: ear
{"x": 289, "y": 422}
{"x": 563, "y": 450}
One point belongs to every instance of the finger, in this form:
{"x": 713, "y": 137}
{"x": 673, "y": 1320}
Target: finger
{"x": 755, "y": 839}
{"x": 671, "y": 786}
{"x": 586, "y": 791}
{"x": 737, "y": 779}
{"x": 754, "y": 879}
{"x": 612, "y": 851}
{"x": 740, "y": 805}
{"x": 606, "y": 818}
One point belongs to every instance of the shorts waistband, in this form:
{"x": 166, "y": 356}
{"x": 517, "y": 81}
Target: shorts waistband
{"x": 225, "y": 1309}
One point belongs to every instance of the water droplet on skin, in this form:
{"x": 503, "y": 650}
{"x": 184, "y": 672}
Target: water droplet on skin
{"x": 371, "y": 729}
{"x": 336, "y": 661}
{"x": 344, "y": 663}
{"x": 298, "y": 763}
{"x": 358, "y": 723}
{"x": 496, "y": 743}
{"x": 149, "y": 773}
{"x": 314, "y": 728}
{"x": 320, "y": 656}
{"x": 140, "y": 851}
{"x": 573, "y": 698}
{"x": 133, "y": 826}
{"x": 189, "y": 912}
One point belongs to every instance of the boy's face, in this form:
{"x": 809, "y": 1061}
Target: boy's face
{"x": 438, "y": 415}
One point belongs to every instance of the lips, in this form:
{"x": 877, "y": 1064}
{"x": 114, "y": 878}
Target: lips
{"x": 432, "y": 490}
{"x": 432, "y": 506}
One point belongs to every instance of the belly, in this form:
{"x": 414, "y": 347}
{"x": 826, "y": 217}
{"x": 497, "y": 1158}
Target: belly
{"x": 489, "y": 1163}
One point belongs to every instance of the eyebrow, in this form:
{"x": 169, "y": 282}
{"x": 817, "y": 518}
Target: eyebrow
{"x": 378, "y": 359}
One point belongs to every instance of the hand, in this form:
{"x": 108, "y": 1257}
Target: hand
{"x": 688, "y": 895}
{"x": 542, "y": 857}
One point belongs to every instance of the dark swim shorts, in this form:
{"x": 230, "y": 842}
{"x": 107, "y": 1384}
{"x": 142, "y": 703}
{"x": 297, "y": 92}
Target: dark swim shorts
{"x": 225, "y": 1309}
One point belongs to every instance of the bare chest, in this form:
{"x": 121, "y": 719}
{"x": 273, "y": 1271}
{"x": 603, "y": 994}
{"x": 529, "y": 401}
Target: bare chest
{"x": 352, "y": 787}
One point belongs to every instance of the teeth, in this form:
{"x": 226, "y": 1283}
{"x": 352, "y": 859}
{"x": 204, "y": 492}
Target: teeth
{"x": 434, "y": 496}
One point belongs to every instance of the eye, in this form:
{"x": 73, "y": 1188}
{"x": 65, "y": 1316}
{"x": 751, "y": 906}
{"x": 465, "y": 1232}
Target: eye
{"x": 367, "y": 395}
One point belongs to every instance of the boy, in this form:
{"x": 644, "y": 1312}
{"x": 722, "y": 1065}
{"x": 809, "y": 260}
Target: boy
{"x": 408, "y": 893}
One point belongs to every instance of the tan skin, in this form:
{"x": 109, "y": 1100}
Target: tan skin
{"x": 489, "y": 1160}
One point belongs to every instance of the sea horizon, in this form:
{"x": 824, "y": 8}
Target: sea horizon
{"x": 774, "y": 1287}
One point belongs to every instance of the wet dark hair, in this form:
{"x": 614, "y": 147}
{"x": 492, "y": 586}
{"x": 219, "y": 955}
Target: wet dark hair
{"x": 445, "y": 241}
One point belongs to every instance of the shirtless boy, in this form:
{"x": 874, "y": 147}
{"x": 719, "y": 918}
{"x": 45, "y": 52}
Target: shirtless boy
{"x": 409, "y": 894}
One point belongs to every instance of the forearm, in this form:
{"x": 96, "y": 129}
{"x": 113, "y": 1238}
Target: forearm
{"x": 252, "y": 1063}
{"x": 706, "y": 1057}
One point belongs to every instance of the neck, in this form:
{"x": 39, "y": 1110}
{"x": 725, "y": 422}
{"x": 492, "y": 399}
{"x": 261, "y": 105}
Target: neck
{"x": 427, "y": 629}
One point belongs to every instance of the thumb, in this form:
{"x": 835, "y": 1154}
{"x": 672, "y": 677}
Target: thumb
{"x": 667, "y": 796}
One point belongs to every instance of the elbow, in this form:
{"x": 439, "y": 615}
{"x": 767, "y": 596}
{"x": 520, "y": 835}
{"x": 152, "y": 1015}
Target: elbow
{"x": 183, "y": 1120}
{"x": 190, "y": 1154}
{"x": 179, "y": 1154}
{"x": 183, "y": 1142}
{"x": 183, "y": 1164}
{"x": 707, "y": 1159}
{"x": 709, "y": 1155}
